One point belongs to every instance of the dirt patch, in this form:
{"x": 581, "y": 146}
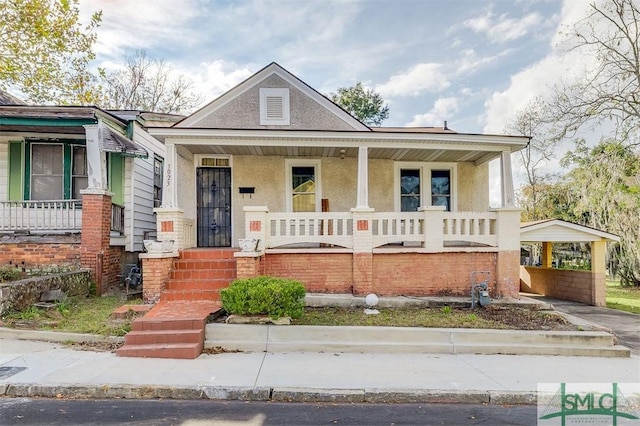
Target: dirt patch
{"x": 96, "y": 346}
{"x": 526, "y": 319}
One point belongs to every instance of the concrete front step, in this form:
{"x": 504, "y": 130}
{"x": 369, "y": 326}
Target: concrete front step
{"x": 164, "y": 324}
{"x": 410, "y": 340}
{"x": 190, "y": 295}
{"x": 149, "y": 337}
{"x": 199, "y": 284}
{"x": 164, "y": 350}
{"x": 208, "y": 253}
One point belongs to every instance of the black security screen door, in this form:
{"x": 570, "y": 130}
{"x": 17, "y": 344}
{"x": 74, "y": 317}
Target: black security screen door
{"x": 214, "y": 206}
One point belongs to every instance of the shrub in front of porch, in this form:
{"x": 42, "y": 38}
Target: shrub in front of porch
{"x": 264, "y": 295}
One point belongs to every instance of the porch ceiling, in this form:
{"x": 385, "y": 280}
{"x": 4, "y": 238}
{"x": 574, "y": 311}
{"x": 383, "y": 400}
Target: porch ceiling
{"x": 403, "y": 154}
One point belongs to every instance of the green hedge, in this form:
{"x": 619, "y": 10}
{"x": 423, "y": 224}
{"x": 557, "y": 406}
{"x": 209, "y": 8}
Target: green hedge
{"x": 276, "y": 297}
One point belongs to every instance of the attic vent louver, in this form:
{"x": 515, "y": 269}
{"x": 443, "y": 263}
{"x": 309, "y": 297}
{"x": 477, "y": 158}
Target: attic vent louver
{"x": 274, "y": 106}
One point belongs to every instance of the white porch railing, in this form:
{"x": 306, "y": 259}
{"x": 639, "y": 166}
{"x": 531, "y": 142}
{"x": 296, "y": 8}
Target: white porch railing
{"x": 309, "y": 228}
{"x": 189, "y": 233}
{"x": 50, "y": 215}
{"x": 479, "y": 228}
{"x": 431, "y": 229}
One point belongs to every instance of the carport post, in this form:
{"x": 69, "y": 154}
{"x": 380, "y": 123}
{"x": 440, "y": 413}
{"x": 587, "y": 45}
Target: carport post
{"x": 547, "y": 254}
{"x": 598, "y": 272}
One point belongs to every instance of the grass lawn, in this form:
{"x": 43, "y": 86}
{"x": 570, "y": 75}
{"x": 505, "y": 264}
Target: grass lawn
{"x": 77, "y": 315}
{"x": 623, "y": 298}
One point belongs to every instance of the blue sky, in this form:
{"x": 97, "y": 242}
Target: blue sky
{"x": 470, "y": 62}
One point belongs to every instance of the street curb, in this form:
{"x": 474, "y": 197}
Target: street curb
{"x": 56, "y": 336}
{"x": 266, "y": 394}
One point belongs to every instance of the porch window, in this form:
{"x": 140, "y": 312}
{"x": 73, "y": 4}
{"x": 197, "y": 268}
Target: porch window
{"x": 157, "y": 181}
{"x": 47, "y": 172}
{"x": 409, "y": 190}
{"x": 303, "y": 187}
{"x": 79, "y": 174}
{"x": 440, "y": 186}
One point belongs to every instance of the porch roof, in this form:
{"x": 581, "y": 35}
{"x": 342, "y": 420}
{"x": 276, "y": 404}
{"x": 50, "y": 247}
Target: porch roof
{"x": 557, "y": 230}
{"x": 443, "y": 146}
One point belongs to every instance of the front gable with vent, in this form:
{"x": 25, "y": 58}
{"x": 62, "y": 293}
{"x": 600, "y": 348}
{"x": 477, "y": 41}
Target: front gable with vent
{"x": 273, "y": 99}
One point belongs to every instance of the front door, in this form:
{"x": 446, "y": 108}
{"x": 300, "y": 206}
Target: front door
{"x": 214, "y": 206}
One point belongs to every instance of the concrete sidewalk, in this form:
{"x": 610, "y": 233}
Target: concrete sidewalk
{"x": 36, "y": 368}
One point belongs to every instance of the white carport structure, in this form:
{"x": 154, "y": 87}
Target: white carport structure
{"x": 579, "y": 286}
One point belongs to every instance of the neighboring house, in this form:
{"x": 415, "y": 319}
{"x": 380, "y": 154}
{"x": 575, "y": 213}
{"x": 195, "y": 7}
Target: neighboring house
{"x": 343, "y": 207}
{"x": 78, "y": 186}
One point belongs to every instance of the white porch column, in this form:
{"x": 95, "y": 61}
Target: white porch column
{"x": 362, "y": 201}
{"x": 507, "y": 180}
{"x": 96, "y": 160}
{"x": 170, "y": 181}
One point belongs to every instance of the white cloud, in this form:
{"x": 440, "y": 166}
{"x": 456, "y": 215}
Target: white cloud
{"x": 140, "y": 24}
{"x": 442, "y": 109}
{"x": 421, "y": 78}
{"x": 215, "y": 78}
{"x": 502, "y": 29}
{"x": 538, "y": 78}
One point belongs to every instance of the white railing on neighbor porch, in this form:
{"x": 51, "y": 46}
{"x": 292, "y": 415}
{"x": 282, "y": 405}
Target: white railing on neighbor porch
{"x": 50, "y": 215}
{"x": 431, "y": 229}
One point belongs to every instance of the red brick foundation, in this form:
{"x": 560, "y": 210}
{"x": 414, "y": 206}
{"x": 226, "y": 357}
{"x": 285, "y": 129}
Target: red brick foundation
{"x": 155, "y": 274}
{"x": 411, "y": 274}
{"x": 36, "y": 256}
{"x": 248, "y": 267}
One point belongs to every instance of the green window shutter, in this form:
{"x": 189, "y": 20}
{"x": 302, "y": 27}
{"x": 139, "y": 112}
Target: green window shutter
{"x": 15, "y": 171}
{"x": 116, "y": 178}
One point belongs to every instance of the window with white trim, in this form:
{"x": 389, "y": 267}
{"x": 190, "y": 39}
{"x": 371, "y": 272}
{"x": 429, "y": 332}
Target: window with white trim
{"x": 303, "y": 186}
{"x": 274, "y": 106}
{"x": 425, "y": 184}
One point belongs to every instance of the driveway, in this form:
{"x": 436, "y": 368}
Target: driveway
{"x": 625, "y": 325}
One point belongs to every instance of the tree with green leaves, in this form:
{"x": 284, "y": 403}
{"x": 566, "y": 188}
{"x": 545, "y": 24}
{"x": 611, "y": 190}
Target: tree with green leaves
{"x": 45, "y": 50}
{"x": 604, "y": 187}
{"x": 364, "y": 104}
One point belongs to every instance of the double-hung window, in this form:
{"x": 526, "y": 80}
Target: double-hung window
{"x": 47, "y": 172}
{"x": 425, "y": 184}
{"x": 303, "y": 185}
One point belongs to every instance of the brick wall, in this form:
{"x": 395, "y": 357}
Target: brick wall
{"x": 96, "y": 237}
{"x": 430, "y": 274}
{"x": 249, "y": 266}
{"x": 320, "y": 273}
{"x": 415, "y": 274}
{"x": 40, "y": 255}
{"x": 155, "y": 274}
{"x": 565, "y": 284}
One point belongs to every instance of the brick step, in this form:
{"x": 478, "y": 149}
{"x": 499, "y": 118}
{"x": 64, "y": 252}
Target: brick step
{"x": 202, "y": 274}
{"x": 189, "y": 295}
{"x": 206, "y": 264}
{"x": 164, "y": 324}
{"x": 208, "y": 253}
{"x": 207, "y": 284}
{"x": 171, "y": 350}
{"x": 149, "y": 337}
